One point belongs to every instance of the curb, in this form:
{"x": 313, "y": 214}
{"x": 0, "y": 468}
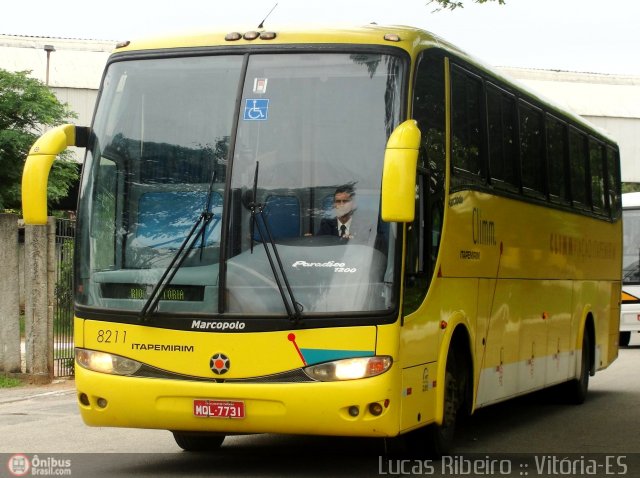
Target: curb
{"x": 29, "y": 392}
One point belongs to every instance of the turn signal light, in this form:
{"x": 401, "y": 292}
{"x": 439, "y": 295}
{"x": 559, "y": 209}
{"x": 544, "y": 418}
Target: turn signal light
{"x": 250, "y": 35}
{"x": 267, "y": 35}
{"x": 233, "y": 36}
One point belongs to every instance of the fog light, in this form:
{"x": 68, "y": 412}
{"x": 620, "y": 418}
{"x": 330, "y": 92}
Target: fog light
{"x": 84, "y": 399}
{"x": 102, "y": 402}
{"x": 375, "y": 408}
{"x": 354, "y": 411}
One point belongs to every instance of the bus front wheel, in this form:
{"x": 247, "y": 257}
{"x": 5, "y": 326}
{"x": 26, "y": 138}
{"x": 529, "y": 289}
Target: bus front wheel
{"x": 437, "y": 440}
{"x": 198, "y": 441}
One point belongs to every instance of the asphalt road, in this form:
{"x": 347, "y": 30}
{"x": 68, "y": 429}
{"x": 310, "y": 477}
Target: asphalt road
{"x": 529, "y": 435}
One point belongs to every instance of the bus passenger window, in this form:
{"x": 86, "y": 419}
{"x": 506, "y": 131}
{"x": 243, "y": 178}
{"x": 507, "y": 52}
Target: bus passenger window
{"x": 531, "y": 152}
{"x": 578, "y": 161}
{"x": 429, "y": 112}
{"x": 556, "y": 146}
{"x": 596, "y": 172}
{"x": 613, "y": 183}
{"x": 501, "y": 110}
{"x": 466, "y": 124}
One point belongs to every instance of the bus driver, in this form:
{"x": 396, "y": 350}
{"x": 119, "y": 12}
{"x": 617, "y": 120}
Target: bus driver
{"x": 342, "y": 224}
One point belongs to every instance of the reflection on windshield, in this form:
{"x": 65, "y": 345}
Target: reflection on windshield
{"x": 316, "y": 123}
{"x": 631, "y": 246}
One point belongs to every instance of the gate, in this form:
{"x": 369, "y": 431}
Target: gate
{"x": 63, "y": 353}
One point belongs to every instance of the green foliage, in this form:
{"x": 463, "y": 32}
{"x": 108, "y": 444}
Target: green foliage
{"x": 64, "y": 286}
{"x": 452, "y": 4}
{"x": 630, "y": 187}
{"x": 9, "y": 382}
{"x": 27, "y": 108}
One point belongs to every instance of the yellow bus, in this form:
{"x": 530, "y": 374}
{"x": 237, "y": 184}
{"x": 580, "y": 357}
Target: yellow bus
{"x": 217, "y": 293}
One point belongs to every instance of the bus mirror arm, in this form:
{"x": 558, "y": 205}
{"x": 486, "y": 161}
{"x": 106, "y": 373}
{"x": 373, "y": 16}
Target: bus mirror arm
{"x": 82, "y": 136}
{"x": 35, "y": 175}
{"x": 399, "y": 173}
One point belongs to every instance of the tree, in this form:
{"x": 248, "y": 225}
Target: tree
{"x": 27, "y": 108}
{"x": 452, "y": 4}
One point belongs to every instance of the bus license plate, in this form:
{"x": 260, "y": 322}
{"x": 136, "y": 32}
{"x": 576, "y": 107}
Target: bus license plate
{"x": 218, "y": 409}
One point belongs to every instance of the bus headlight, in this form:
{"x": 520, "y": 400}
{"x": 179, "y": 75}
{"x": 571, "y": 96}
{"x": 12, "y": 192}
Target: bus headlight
{"x": 349, "y": 369}
{"x": 106, "y": 363}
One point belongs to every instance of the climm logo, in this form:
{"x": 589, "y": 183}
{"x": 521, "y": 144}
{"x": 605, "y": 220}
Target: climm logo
{"x": 484, "y": 231}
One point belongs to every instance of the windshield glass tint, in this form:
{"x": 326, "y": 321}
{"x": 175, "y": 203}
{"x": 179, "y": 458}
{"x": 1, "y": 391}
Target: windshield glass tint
{"x": 311, "y": 139}
{"x": 308, "y": 124}
{"x": 158, "y": 159}
{"x": 631, "y": 246}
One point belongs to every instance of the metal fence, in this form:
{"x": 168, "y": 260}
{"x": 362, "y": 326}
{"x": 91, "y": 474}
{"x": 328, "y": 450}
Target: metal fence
{"x": 63, "y": 354}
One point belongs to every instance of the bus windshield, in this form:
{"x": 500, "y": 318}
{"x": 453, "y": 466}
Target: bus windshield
{"x": 175, "y": 139}
{"x": 631, "y": 246}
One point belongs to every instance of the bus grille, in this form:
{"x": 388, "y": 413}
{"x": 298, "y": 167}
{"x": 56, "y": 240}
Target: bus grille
{"x": 291, "y": 376}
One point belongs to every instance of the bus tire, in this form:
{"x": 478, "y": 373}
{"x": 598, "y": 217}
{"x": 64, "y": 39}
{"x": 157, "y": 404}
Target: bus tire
{"x": 198, "y": 441}
{"x": 577, "y": 388}
{"x": 625, "y": 338}
{"x": 435, "y": 441}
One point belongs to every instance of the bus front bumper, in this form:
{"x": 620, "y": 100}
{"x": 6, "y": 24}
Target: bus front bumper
{"x": 312, "y": 408}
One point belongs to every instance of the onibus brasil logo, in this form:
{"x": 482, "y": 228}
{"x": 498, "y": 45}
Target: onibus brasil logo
{"x": 21, "y": 465}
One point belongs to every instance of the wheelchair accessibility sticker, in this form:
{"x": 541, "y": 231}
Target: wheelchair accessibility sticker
{"x": 256, "y": 110}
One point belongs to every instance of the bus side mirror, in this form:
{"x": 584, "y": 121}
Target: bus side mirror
{"x": 399, "y": 173}
{"x": 35, "y": 174}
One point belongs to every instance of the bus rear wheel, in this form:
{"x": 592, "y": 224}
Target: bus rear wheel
{"x": 198, "y": 441}
{"x": 577, "y": 389}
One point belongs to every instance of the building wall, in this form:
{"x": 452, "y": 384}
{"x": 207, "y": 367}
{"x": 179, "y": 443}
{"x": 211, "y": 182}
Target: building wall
{"x": 627, "y": 132}
{"x": 82, "y": 101}
{"x": 73, "y": 63}
{"x": 611, "y": 102}
{"x": 74, "y": 69}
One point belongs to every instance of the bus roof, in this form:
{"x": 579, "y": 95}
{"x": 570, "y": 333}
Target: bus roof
{"x": 411, "y": 39}
{"x": 365, "y": 35}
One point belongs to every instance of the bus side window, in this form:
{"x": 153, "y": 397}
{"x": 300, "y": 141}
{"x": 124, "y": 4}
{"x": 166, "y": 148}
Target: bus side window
{"x": 596, "y": 173}
{"x": 501, "y": 114}
{"x": 556, "y": 163}
{"x": 467, "y": 148}
{"x": 423, "y": 239}
{"x": 531, "y": 149}
{"x": 578, "y": 162}
{"x": 613, "y": 183}
{"x": 104, "y": 220}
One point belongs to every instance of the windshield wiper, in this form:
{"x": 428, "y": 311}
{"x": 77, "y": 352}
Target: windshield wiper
{"x": 197, "y": 231}
{"x": 294, "y": 309}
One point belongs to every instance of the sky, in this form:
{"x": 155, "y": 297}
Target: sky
{"x": 599, "y": 36}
